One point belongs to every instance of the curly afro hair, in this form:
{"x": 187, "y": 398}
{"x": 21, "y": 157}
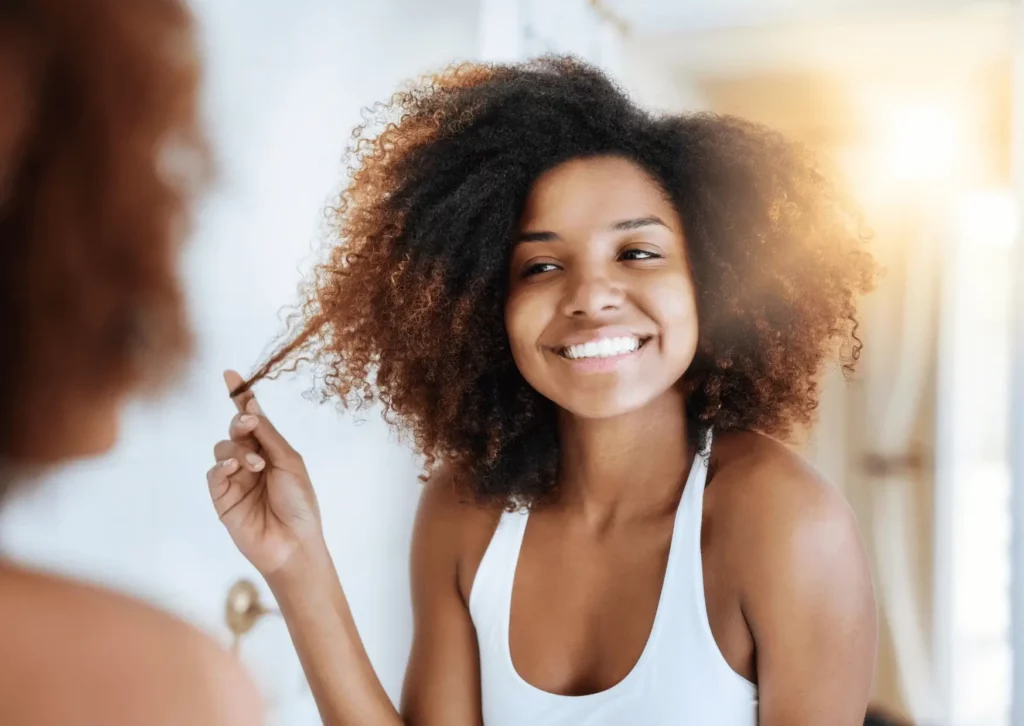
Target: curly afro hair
{"x": 407, "y": 308}
{"x": 100, "y": 155}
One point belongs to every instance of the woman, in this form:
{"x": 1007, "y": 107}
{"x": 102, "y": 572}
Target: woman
{"x": 590, "y": 320}
{"x": 100, "y": 157}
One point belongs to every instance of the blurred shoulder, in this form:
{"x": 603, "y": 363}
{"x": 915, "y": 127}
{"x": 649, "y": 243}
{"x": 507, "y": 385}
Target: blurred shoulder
{"x": 74, "y": 653}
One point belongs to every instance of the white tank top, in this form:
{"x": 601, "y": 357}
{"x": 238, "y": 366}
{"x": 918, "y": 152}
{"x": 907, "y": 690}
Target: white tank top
{"x": 680, "y": 678}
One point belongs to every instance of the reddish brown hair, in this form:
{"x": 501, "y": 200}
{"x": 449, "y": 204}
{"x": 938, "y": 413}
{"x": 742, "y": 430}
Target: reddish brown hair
{"x": 100, "y": 155}
{"x": 408, "y": 307}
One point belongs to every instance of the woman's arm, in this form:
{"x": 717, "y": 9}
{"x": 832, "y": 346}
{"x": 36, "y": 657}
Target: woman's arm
{"x": 341, "y": 677}
{"x": 808, "y": 601}
{"x": 262, "y": 493}
{"x": 442, "y": 680}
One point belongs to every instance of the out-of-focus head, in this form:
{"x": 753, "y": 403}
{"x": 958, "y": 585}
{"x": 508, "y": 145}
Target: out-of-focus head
{"x": 100, "y": 157}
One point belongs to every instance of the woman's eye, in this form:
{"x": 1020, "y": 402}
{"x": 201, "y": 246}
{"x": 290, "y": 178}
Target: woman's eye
{"x": 539, "y": 268}
{"x": 638, "y": 254}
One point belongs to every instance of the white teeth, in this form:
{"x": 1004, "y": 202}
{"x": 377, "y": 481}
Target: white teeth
{"x": 604, "y": 348}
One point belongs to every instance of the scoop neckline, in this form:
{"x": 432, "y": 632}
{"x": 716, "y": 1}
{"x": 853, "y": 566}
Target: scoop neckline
{"x": 659, "y": 614}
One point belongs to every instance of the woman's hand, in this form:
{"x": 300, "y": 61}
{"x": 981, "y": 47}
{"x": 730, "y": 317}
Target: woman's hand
{"x": 261, "y": 490}
{"x": 262, "y": 493}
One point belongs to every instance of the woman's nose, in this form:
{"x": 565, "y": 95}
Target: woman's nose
{"x": 591, "y": 293}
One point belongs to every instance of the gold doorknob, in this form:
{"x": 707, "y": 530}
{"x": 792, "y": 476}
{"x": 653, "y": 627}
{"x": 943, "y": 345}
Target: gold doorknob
{"x": 243, "y": 609}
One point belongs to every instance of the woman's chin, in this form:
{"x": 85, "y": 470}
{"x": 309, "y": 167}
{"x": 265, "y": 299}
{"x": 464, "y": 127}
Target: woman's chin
{"x": 82, "y": 438}
{"x": 594, "y": 406}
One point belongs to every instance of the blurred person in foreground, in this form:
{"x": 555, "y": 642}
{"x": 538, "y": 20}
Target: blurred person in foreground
{"x": 594, "y": 323}
{"x": 100, "y": 158}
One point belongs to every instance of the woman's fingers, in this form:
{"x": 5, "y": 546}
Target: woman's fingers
{"x": 234, "y": 477}
{"x": 233, "y": 379}
{"x": 241, "y": 428}
{"x": 222, "y": 493}
{"x": 251, "y": 420}
{"x": 244, "y": 455}
{"x": 271, "y": 442}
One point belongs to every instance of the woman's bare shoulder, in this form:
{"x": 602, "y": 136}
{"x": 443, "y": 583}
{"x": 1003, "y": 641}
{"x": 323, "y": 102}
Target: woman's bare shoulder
{"x": 74, "y": 653}
{"x": 776, "y": 516}
{"x": 452, "y": 521}
{"x": 750, "y": 469}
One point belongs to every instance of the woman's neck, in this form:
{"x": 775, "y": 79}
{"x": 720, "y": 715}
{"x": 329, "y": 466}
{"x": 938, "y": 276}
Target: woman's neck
{"x": 627, "y": 467}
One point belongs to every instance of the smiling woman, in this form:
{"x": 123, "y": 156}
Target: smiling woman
{"x": 595, "y": 289}
{"x": 585, "y": 315}
{"x": 776, "y": 254}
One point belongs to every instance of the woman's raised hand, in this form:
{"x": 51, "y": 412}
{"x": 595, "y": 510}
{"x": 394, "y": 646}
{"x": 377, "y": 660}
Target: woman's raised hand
{"x": 261, "y": 490}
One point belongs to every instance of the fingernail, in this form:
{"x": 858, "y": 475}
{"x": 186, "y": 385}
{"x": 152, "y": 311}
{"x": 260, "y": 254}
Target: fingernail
{"x": 228, "y": 463}
{"x": 253, "y": 407}
{"x": 247, "y": 419}
{"x": 254, "y": 461}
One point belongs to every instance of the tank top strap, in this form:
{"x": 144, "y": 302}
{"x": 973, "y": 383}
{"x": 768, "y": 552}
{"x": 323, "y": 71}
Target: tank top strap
{"x": 685, "y": 589}
{"x": 691, "y": 505}
{"x": 491, "y": 592}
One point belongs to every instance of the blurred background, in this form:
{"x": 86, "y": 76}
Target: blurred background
{"x": 915, "y": 103}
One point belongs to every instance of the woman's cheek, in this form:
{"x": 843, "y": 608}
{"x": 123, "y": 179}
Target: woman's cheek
{"x": 527, "y": 314}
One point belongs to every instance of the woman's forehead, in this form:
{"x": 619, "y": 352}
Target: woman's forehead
{"x": 597, "y": 192}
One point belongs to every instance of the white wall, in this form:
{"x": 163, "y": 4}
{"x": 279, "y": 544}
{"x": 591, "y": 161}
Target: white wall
{"x": 1016, "y": 433}
{"x": 652, "y": 81}
{"x": 286, "y": 82}
{"x": 515, "y": 30}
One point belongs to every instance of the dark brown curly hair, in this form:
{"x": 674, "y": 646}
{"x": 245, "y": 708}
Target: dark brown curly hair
{"x": 407, "y": 309}
{"x": 100, "y": 156}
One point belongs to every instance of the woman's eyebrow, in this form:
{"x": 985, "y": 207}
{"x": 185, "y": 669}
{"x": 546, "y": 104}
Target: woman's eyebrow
{"x": 536, "y": 237}
{"x": 638, "y": 223}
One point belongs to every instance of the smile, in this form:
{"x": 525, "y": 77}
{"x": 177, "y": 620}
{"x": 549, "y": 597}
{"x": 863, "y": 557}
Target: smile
{"x": 603, "y": 348}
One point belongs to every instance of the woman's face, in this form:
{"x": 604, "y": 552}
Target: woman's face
{"x": 601, "y": 314}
